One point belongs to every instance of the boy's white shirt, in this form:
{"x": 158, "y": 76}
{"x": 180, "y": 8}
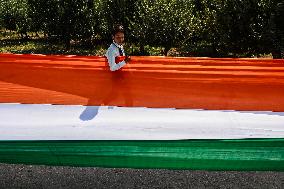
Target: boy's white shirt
{"x": 113, "y": 52}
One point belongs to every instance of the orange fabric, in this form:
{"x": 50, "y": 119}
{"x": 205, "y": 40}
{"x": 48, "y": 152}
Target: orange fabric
{"x": 162, "y": 82}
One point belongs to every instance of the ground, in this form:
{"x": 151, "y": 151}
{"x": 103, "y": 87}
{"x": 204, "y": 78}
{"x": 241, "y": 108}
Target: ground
{"x": 37, "y": 176}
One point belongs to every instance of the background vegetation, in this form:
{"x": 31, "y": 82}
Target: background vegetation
{"x": 215, "y": 28}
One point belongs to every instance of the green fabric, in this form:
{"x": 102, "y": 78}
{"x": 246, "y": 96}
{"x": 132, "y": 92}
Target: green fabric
{"x": 243, "y": 154}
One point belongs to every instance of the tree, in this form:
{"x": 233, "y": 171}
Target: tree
{"x": 65, "y": 20}
{"x": 241, "y": 25}
{"x": 165, "y": 23}
{"x": 277, "y": 31}
{"x": 113, "y": 12}
{"x": 14, "y": 14}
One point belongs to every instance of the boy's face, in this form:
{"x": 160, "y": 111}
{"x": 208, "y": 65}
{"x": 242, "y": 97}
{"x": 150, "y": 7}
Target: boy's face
{"x": 118, "y": 38}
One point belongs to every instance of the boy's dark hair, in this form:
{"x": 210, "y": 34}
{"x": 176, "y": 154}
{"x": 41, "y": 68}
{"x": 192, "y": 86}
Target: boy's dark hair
{"x": 117, "y": 28}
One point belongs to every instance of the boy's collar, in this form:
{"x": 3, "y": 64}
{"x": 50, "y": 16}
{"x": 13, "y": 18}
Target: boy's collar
{"x": 117, "y": 45}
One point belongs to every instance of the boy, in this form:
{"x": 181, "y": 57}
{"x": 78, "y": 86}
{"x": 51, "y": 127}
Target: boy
{"x": 116, "y": 49}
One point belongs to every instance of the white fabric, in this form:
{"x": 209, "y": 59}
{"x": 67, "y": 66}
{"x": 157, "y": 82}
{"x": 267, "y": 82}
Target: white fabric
{"x": 66, "y": 122}
{"x": 113, "y": 52}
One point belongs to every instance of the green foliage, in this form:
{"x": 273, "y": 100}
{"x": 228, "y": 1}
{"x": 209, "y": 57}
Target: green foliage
{"x": 241, "y": 25}
{"x": 276, "y": 29}
{"x": 113, "y": 12}
{"x": 45, "y": 15}
{"x": 14, "y": 15}
{"x": 166, "y": 23}
{"x": 205, "y": 27}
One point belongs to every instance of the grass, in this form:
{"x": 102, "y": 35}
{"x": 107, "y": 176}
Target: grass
{"x": 11, "y": 42}
{"x": 43, "y": 46}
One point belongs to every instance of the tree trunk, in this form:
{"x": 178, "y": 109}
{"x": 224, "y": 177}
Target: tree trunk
{"x": 166, "y": 50}
{"x": 142, "y": 49}
{"x": 67, "y": 41}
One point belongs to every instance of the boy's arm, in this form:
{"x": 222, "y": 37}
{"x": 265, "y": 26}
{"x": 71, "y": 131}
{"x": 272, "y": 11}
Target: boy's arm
{"x": 111, "y": 61}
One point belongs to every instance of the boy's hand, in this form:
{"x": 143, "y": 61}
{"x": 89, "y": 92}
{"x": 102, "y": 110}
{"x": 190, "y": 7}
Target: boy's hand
{"x": 127, "y": 59}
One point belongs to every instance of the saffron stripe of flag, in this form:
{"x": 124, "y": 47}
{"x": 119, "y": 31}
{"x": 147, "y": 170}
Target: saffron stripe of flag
{"x": 157, "y": 82}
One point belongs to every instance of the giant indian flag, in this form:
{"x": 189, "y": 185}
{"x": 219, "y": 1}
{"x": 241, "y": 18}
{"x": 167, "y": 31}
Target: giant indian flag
{"x": 157, "y": 112}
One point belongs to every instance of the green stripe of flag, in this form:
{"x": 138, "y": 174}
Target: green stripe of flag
{"x": 241, "y": 155}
